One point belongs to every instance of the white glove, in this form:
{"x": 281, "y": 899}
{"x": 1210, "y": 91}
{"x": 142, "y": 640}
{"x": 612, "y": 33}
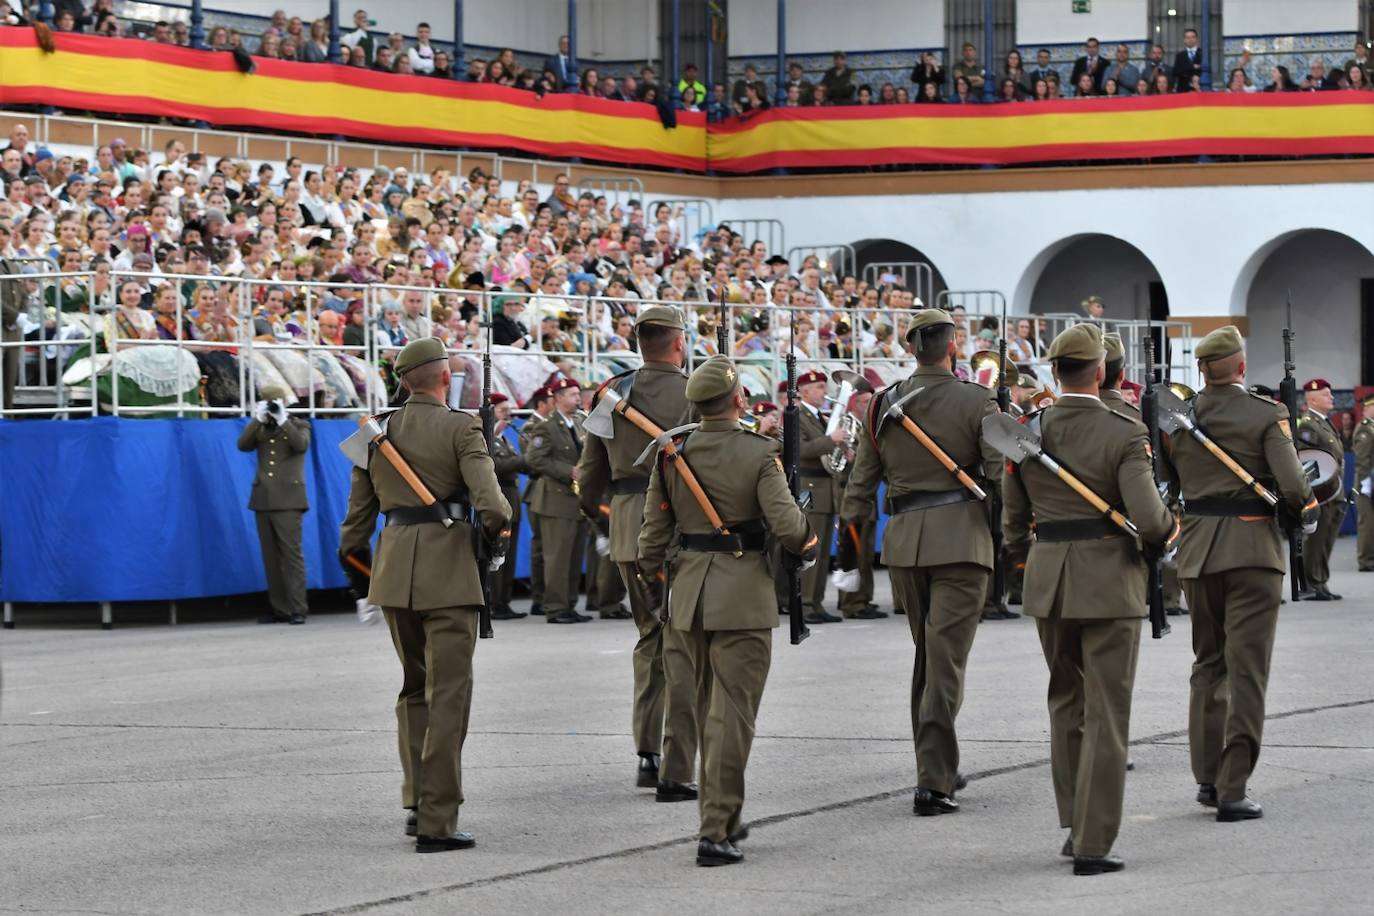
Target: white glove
{"x": 807, "y": 564}
{"x": 845, "y": 580}
{"x": 260, "y": 411}
{"x": 1310, "y": 527}
{"x": 496, "y": 562}
{"x": 368, "y": 613}
{"x": 278, "y": 411}
{"x": 603, "y": 545}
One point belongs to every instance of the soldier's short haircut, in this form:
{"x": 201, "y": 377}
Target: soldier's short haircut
{"x": 1222, "y": 371}
{"x": 1114, "y": 369}
{"x": 718, "y": 406}
{"x": 656, "y": 339}
{"x": 932, "y": 344}
{"x": 425, "y": 377}
{"x": 1076, "y": 372}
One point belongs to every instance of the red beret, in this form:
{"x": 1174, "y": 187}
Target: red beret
{"x": 498, "y": 398}
{"x": 1128, "y": 385}
{"x": 873, "y": 378}
{"x": 763, "y": 407}
{"x": 1316, "y": 384}
{"x": 807, "y": 378}
{"x": 539, "y": 394}
{"x": 563, "y": 384}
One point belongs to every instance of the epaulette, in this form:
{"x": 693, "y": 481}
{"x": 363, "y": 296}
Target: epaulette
{"x": 758, "y": 435}
{"x": 612, "y": 381}
{"x": 1259, "y": 397}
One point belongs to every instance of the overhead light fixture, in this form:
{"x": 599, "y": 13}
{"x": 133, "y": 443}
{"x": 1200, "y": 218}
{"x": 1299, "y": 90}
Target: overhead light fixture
{"x": 1173, "y": 12}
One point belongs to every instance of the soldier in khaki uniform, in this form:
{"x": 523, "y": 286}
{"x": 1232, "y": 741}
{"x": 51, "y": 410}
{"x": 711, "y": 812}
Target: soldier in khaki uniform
{"x": 1231, "y": 560}
{"x": 1315, "y": 431}
{"x": 554, "y": 452}
{"x": 858, "y": 604}
{"x": 992, "y": 471}
{"x": 721, "y": 605}
{"x": 605, "y": 592}
{"x": 425, "y": 579}
{"x": 816, "y": 480}
{"x": 662, "y": 718}
{"x": 279, "y": 501}
{"x": 542, "y": 404}
{"x": 509, "y": 464}
{"x": 937, "y": 546}
{"x": 1362, "y": 444}
{"x": 1085, "y": 585}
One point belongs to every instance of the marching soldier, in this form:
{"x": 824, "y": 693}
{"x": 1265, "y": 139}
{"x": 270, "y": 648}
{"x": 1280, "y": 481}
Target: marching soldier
{"x": 937, "y": 546}
{"x": 1315, "y": 431}
{"x": 662, "y": 717}
{"x": 721, "y": 607}
{"x": 542, "y": 404}
{"x": 426, "y": 581}
{"x": 1362, "y": 445}
{"x": 992, "y": 472}
{"x": 279, "y": 502}
{"x": 816, "y": 480}
{"x": 1085, "y": 585}
{"x": 1231, "y": 561}
{"x": 858, "y": 604}
{"x": 554, "y": 452}
{"x": 509, "y": 464}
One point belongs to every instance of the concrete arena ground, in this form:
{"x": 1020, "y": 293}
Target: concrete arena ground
{"x": 232, "y": 768}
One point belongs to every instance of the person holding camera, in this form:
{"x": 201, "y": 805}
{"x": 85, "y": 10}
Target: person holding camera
{"x": 278, "y": 498}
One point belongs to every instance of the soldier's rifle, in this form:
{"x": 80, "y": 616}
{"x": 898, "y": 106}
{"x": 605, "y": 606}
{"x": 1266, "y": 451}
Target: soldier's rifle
{"x": 999, "y": 567}
{"x": 1149, "y": 413}
{"x": 791, "y": 462}
{"x": 1288, "y": 394}
{"x": 482, "y": 546}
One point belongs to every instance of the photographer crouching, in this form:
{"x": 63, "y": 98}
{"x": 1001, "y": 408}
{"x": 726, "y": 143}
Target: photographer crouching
{"x": 279, "y": 500}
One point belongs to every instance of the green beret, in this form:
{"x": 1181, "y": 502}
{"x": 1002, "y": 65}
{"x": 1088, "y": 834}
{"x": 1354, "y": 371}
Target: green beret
{"x": 419, "y": 352}
{"x": 1116, "y": 350}
{"x": 1220, "y": 343}
{"x": 1079, "y": 341}
{"x": 664, "y": 315}
{"x": 712, "y": 379}
{"x": 928, "y": 318}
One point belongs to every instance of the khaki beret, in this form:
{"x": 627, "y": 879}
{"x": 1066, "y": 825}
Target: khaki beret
{"x": 713, "y": 379}
{"x": 1027, "y": 382}
{"x": 1219, "y": 344}
{"x": 275, "y": 391}
{"x": 662, "y": 315}
{"x": 419, "y": 352}
{"x": 928, "y": 318}
{"x": 1116, "y": 350}
{"x": 1079, "y": 341}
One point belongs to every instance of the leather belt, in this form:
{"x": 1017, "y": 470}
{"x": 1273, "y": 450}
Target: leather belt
{"x": 422, "y": 515}
{"x": 926, "y": 499}
{"x": 745, "y": 537}
{"x": 1227, "y": 508}
{"x": 1078, "y": 529}
{"x": 813, "y": 472}
{"x": 628, "y": 485}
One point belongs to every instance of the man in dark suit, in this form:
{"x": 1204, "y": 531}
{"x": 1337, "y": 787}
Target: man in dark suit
{"x": 1090, "y": 62}
{"x": 1042, "y": 68}
{"x": 561, "y": 64}
{"x": 1188, "y": 62}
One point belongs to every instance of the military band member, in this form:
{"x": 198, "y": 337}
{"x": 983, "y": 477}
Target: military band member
{"x": 554, "y": 452}
{"x": 541, "y": 402}
{"x": 769, "y": 419}
{"x": 509, "y": 465}
{"x": 937, "y": 546}
{"x": 1362, "y": 444}
{"x": 279, "y": 502}
{"x": 858, "y": 604}
{"x": 816, "y": 480}
{"x": 1085, "y": 586}
{"x": 663, "y": 719}
{"x": 721, "y": 606}
{"x": 1315, "y": 431}
{"x": 992, "y": 472}
{"x": 426, "y": 581}
{"x": 1231, "y": 561}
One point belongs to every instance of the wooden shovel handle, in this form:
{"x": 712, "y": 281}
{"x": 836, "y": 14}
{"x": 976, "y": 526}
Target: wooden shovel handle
{"x": 931, "y": 446}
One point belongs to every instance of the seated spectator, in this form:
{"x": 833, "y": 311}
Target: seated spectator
{"x": 1123, "y": 71}
{"x": 1109, "y": 88}
{"x": 1358, "y": 77}
{"x": 267, "y": 45}
{"x": 1280, "y": 80}
{"x": 1008, "y": 91}
{"x": 820, "y": 96}
{"x": 1317, "y": 79}
{"x": 963, "y": 92}
{"x": 383, "y": 62}
{"x": 1239, "y": 81}
{"x": 591, "y": 82}
{"x": 1040, "y": 91}
{"x": 930, "y": 94}
{"x": 927, "y": 72}
{"x": 972, "y": 71}
{"x": 610, "y": 91}
{"x": 689, "y": 100}
{"x": 865, "y": 95}
{"x": 1085, "y": 88}
{"x": 887, "y": 95}
{"x": 839, "y": 80}
{"x": 1162, "y": 85}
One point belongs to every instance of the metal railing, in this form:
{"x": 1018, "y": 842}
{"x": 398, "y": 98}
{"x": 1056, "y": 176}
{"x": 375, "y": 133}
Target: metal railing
{"x": 693, "y": 215}
{"x": 915, "y": 276}
{"x": 837, "y": 258}
{"x": 769, "y": 231}
{"x": 617, "y": 189}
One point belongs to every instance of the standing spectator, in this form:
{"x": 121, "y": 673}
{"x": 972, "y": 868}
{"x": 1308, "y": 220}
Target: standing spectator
{"x": 689, "y": 81}
{"x": 1016, "y": 72}
{"x": 561, "y": 64}
{"x": 1361, "y": 58}
{"x": 969, "y": 68}
{"x": 360, "y": 37}
{"x": 927, "y": 72}
{"x": 839, "y": 80}
{"x": 796, "y": 78}
{"x": 1042, "y": 68}
{"x": 1154, "y": 64}
{"x": 740, "y": 90}
{"x": 1188, "y": 62}
{"x": 718, "y": 107}
{"x": 422, "y": 55}
{"x": 1094, "y": 308}
{"x": 1091, "y": 63}
{"x": 315, "y": 49}
{"x": 1123, "y": 71}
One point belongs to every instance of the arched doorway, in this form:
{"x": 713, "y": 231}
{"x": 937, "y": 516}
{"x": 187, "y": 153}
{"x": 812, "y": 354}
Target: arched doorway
{"x": 1070, "y": 270}
{"x": 891, "y": 251}
{"x": 1330, "y": 277}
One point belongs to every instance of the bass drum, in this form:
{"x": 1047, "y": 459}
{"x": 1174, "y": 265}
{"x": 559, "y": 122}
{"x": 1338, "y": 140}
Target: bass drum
{"x": 1321, "y": 471}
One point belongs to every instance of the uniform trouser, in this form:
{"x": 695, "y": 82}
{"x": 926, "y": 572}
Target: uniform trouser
{"x": 775, "y": 561}
{"x": 853, "y": 602}
{"x": 1364, "y": 543}
{"x": 503, "y": 583}
{"x": 536, "y": 555}
{"x": 279, "y": 533}
{"x": 1234, "y": 615}
{"x": 814, "y": 579}
{"x": 1173, "y": 586}
{"x": 605, "y": 590}
{"x": 10, "y": 359}
{"x": 563, "y": 542}
{"x": 732, "y": 667}
{"x": 1092, "y": 672}
{"x": 943, "y": 604}
{"x": 435, "y": 649}
{"x": 1316, "y": 549}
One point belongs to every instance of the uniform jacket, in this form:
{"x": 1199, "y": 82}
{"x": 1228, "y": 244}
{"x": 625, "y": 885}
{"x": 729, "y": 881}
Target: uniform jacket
{"x": 1362, "y": 444}
{"x": 1117, "y": 403}
{"x": 1094, "y": 579}
{"x": 527, "y": 432}
{"x": 425, "y": 566}
{"x": 554, "y": 452}
{"x": 659, "y": 392}
{"x": 508, "y": 463}
{"x": 742, "y": 475}
{"x": 815, "y": 445}
{"x": 279, "y": 484}
{"x": 951, "y": 412}
{"x": 1254, "y": 431}
{"x": 1316, "y": 431}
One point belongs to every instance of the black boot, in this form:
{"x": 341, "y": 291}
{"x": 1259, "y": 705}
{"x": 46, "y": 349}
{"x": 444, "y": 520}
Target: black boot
{"x": 711, "y": 854}
{"x": 669, "y": 791}
{"x": 928, "y": 803}
{"x": 1243, "y": 810}
{"x": 647, "y": 776}
{"x": 1097, "y": 865}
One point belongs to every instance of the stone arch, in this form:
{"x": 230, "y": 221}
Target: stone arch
{"x": 891, "y": 251}
{"x": 1069, "y": 270}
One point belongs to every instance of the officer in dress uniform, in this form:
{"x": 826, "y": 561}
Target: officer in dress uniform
{"x": 858, "y": 604}
{"x": 510, "y": 464}
{"x": 662, "y": 718}
{"x": 721, "y": 607}
{"x": 1085, "y": 587}
{"x": 816, "y": 480}
{"x": 279, "y": 502}
{"x": 541, "y": 402}
{"x": 937, "y": 546}
{"x": 1231, "y": 561}
{"x": 425, "y": 579}
{"x": 1315, "y": 431}
{"x": 1362, "y": 445}
{"x": 554, "y": 452}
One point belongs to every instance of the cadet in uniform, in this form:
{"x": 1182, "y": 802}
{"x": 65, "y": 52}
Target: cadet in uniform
{"x": 1362, "y": 445}
{"x": 509, "y": 464}
{"x": 279, "y": 502}
{"x": 425, "y": 580}
{"x": 542, "y": 404}
{"x": 721, "y": 605}
{"x": 658, "y": 390}
{"x": 937, "y": 546}
{"x": 1315, "y": 431}
{"x": 816, "y": 480}
{"x": 858, "y": 604}
{"x": 1231, "y": 561}
{"x": 555, "y": 449}
{"x": 1085, "y": 585}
